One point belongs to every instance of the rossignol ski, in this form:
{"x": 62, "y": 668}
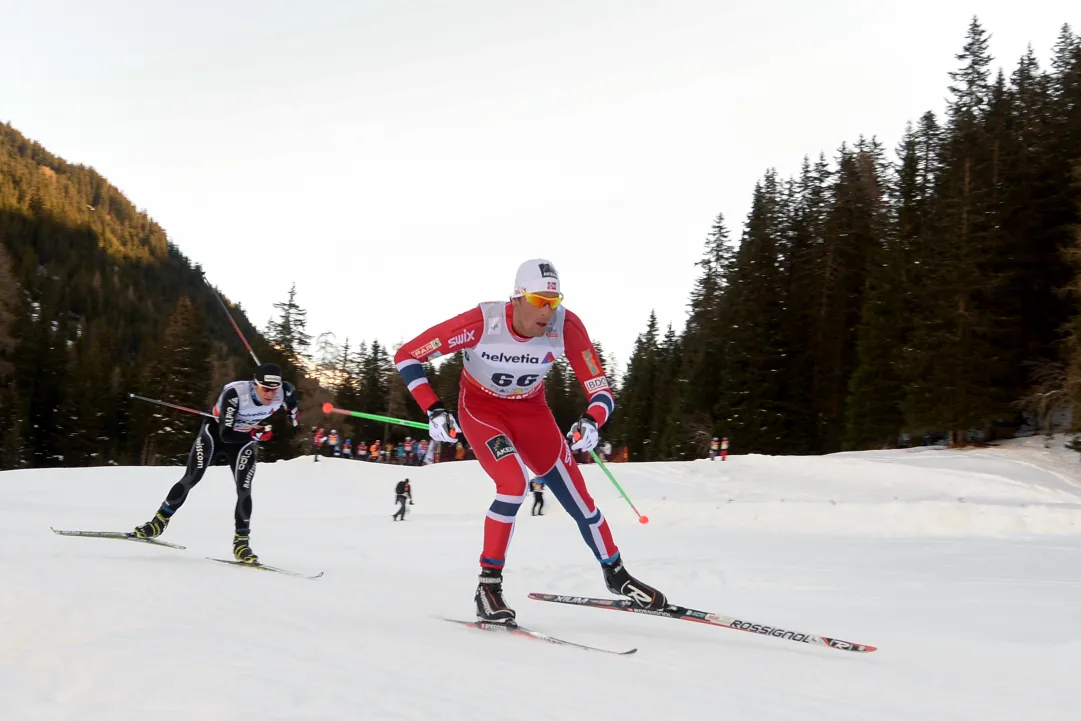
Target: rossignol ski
{"x": 682, "y": 613}
{"x": 536, "y": 635}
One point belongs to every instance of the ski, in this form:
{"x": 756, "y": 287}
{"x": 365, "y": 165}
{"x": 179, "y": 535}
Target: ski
{"x": 265, "y": 567}
{"x": 537, "y": 635}
{"x": 119, "y": 535}
{"x": 682, "y": 613}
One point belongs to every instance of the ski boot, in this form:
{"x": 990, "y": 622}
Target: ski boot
{"x": 154, "y": 527}
{"x": 491, "y": 608}
{"x": 242, "y": 551}
{"x": 620, "y": 582}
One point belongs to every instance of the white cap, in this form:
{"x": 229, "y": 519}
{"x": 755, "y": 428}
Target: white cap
{"x": 536, "y": 276}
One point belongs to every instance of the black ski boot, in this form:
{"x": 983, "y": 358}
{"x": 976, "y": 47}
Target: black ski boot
{"x": 242, "y": 551}
{"x": 491, "y": 608}
{"x": 154, "y": 527}
{"x": 619, "y": 581}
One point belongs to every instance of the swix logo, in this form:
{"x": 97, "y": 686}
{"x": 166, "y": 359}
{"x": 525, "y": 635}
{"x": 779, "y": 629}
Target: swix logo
{"x": 502, "y": 358}
{"x": 463, "y": 337}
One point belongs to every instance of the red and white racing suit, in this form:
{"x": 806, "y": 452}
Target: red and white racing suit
{"x": 503, "y": 412}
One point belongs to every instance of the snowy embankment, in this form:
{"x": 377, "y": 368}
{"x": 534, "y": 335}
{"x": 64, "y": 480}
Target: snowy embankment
{"x": 1017, "y": 488}
{"x": 963, "y": 567}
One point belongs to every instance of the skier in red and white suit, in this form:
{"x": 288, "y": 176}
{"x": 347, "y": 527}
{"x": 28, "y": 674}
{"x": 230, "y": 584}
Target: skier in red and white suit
{"x": 508, "y": 348}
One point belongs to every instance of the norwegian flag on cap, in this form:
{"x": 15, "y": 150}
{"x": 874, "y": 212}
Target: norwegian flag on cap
{"x": 536, "y": 276}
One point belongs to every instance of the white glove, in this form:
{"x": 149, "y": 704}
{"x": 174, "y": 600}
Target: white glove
{"x": 584, "y": 433}
{"x": 441, "y": 424}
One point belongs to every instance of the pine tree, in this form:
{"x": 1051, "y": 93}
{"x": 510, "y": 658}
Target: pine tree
{"x": 13, "y": 450}
{"x": 751, "y": 405}
{"x": 288, "y": 333}
{"x": 957, "y": 349}
{"x": 90, "y": 402}
{"x": 635, "y": 410}
{"x": 698, "y": 382}
{"x": 376, "y": 371}
{"x": 1071, "y": 346}
{"x": 670, "y": 436}
{"x": 558, "y": 387}
{"x": 876, "y": 389}
{"x": 41, "y": 367}
{"x": 181, "y": 371}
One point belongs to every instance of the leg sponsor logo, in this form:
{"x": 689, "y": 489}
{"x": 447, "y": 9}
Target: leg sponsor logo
{"x": 500, "y": 446}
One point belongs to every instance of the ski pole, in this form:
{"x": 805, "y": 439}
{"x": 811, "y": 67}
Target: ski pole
{"x": 329, "y": 408}
{"x": 230, "y": 317}
{"x": 211, "y": 416}
{"x": 641, "y": 519}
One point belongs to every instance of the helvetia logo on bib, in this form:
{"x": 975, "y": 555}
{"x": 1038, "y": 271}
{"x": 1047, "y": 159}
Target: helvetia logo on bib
{"x": 503, "y": 358}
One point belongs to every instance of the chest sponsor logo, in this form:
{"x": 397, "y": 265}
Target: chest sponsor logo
{"x": 500, "y": 446}
{"x": 495, "y": 326}
{"x": 461, "y": 338}
{"x": 426, "y": 348}
{"x": 594, "y": 385}
{"x": 504, "y": 358}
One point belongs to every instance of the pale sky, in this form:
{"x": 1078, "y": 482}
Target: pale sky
{"x": 397, "y": 160}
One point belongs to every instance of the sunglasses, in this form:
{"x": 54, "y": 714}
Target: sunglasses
{"x": 542, "y": 300}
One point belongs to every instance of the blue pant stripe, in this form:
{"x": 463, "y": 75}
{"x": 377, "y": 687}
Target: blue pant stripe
{"x": 504, "y": 508}
{"x": 554, "y": 479}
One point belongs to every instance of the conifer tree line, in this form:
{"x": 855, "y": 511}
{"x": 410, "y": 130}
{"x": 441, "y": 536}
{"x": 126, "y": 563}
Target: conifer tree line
{"x": 882, "y": 295}
{"x": 96, "y": 304}
{"x": 878, "y": 294}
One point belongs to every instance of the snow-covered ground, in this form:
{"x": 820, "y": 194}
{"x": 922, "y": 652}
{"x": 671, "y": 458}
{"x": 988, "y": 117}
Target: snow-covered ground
{"x": 963, "y": 567}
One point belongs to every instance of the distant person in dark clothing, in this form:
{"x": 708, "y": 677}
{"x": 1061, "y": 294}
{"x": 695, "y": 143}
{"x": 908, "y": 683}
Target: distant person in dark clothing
{"x": 538, "y": 497}
{"x": 403, "y": 491}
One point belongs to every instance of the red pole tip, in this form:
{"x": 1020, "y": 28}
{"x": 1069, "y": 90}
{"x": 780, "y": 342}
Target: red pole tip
{"x": 643, "y": 520}
{"x": 328, "y": 408}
